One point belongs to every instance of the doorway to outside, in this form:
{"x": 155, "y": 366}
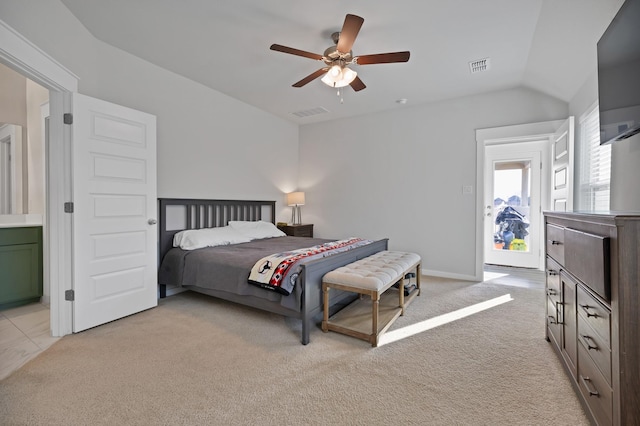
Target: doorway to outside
{"x": 536, "y": 153}
{"x": 513, "y": 204}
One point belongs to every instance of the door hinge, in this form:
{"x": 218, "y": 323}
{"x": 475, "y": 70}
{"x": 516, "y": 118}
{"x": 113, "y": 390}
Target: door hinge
{"x": 69, "y": 295}
{"x": 67, "y": 118}
{"x": 68, "y": 207}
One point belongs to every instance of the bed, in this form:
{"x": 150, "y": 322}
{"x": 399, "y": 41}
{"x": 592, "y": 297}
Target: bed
{"x": 222, "y": 271}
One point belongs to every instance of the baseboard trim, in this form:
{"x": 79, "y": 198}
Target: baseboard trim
{"x": 450, "y": 275}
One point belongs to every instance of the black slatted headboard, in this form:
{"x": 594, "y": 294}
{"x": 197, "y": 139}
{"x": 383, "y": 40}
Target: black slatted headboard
{"x": 198, "y": 214}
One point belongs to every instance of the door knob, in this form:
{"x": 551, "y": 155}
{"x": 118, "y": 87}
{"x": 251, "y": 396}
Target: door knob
{"x": 152, "y": 221}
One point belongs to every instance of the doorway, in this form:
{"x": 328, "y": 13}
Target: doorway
{"x": 94, "y": 169}
{"x": 17, "y": 53}
{"x": 513, "y": 204}
{"x": 539, "y": 137}
{"x": 23, "y": 168}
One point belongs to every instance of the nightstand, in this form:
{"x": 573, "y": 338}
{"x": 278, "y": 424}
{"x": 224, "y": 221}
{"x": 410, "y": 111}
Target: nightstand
{"x": 304, "y": 230}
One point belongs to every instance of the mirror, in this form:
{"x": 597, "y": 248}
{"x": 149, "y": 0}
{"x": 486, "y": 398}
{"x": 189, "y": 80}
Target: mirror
{"x": 10, "y": 151}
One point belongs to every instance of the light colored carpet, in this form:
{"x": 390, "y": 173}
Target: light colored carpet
{"x": 199, "y": 360}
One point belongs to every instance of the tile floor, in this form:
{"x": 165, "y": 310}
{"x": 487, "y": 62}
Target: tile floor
{"x": 24, "y": 333}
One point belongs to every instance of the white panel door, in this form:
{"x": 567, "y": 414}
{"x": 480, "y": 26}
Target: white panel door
{"x": 114, "y": 194}
{"x": 562, "y": 167}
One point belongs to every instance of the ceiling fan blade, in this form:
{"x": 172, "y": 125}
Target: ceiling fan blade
{"x": 382, "y": 58}
{"x": 310, "y": 77}
{"x": 350, "y": 30}
{"x": 357, "y": 84}
{"x": 297, "y": 52}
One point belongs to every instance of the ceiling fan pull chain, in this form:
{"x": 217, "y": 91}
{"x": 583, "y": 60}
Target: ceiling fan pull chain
{"x": 338, "y": 92}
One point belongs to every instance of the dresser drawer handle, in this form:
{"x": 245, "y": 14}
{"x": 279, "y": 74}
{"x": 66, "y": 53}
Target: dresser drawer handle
{"x": 552, "y": 272}
{"x": 586, "y": 308}
{"x": 552, "y": 320}
{"x": 586, "y": 381}
{"x": 588, "y": 339}
{"x": 552, "y": 292}
{"x": 556, "y": 243}
{"x": 558, "y": 304}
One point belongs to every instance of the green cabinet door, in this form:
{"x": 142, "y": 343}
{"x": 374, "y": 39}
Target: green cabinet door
{"x": 20, "y": 266}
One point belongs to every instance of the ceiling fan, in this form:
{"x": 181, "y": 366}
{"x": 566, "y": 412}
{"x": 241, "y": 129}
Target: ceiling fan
{"x": 338, "y": 57}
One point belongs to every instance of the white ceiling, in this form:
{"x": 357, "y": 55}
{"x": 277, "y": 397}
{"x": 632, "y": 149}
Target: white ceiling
{"x": 546, "y": 45}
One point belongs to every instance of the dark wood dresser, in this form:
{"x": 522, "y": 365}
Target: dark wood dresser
{"x": 593, "y": 309}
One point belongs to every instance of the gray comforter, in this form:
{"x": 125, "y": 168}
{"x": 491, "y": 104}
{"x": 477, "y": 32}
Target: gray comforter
{"x": 227, "y": 268}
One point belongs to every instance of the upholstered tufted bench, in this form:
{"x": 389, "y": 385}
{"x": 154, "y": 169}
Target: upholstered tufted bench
{"x": 373, "y": 276}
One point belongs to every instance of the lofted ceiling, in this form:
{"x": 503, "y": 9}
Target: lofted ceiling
{"x": 545, "y": 45}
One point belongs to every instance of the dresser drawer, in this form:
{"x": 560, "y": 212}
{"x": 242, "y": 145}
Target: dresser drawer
{"x": 595, "y": 314}
{"x": 587, "y": 257}
{"x": 593, "y": 386}
{"x": 554, "y": 323}
{"x": 553, "y": 279}
{"x": 555, "y": 242}
{"x": 596, "y": 347}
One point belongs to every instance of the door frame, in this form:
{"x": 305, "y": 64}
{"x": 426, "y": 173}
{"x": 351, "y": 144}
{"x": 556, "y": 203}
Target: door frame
{"x": 24, "y": 57}
{"x": 509, "y": 135}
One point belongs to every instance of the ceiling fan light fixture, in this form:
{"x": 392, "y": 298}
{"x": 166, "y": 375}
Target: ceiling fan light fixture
{"x": 338, "y": 76}
{"x": 335, "y": 72}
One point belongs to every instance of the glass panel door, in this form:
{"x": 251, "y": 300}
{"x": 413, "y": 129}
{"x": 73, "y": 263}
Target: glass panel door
{"x": 511, "y": 205}
{"x": 512, "y": 209}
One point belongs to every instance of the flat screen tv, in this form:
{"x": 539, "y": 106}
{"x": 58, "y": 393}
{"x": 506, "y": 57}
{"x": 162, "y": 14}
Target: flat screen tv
{"x": 619, "y": 75}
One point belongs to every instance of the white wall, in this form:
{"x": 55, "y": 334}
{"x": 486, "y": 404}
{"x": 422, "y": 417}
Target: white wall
{"x": 36, "y": 96}
{"x": 400, "y": 174}
{"x": 13, "y": 103}
{"x": 209, "y": 145}
{"x": 625, "y": 175}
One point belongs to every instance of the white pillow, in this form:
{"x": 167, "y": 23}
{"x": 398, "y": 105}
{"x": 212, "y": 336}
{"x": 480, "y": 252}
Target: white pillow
{"x": 192, "y": 239}
{"x": 256, "y": 229}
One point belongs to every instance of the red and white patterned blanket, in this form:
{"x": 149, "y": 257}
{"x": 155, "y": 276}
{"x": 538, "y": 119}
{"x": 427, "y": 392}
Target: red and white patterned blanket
{"x": 279, "y": 271}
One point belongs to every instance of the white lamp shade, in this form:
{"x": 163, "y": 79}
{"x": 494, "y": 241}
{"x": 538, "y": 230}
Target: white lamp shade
{"x": 295, "y": 199}
{"x": 339, "y": 77}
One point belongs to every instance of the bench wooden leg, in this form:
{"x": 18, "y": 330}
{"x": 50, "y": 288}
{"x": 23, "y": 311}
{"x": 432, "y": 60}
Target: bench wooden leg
{"x": 325, "y": 308}
{"x": 401, "y": 296}
{"x": 375, "y": 303}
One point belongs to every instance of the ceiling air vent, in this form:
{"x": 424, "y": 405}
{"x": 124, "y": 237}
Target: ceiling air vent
{"x": 310, "y": 112}
{"x": 480, "y": 65}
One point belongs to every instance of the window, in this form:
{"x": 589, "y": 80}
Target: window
{"x": 594, "y": 163}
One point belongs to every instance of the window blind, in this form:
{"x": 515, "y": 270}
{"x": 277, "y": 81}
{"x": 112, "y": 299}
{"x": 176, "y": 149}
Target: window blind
{"x": 595, "y": 164}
